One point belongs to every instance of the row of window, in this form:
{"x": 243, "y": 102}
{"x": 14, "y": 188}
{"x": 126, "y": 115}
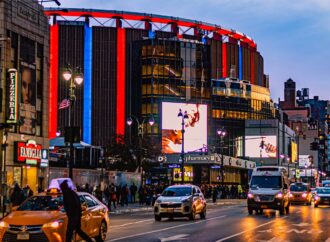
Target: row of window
{"x": 228, "y": 114}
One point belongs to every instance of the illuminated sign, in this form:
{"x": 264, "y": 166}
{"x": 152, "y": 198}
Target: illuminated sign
{"x": 29, "y": 152}
{"x": 294, "y": 152}
{"x": 261, "y": 146}
{"x": 188, "y": 174}
{"x": 195, "y": 127}
{"x": 12, "y": 104}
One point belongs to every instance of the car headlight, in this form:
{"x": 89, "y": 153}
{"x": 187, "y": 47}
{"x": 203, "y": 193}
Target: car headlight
{"x": 304, "y": 195}
{"x": 317, "y": 198}
{"x": 290, "y": 195}
{"x": 4, "y": 225}
{"x": 186, "y": 200}
{"x": 54, "y": 225}
{"x": 158, "y": 201}
{"x": 279, "y": 195}
{"x": 250, "y": 195}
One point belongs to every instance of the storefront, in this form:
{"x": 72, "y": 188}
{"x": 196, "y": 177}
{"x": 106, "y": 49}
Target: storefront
{"x": 29, "y": 165}
{"x": 207, "y": 169}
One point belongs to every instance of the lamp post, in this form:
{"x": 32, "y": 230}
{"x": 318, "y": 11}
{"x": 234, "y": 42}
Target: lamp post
{"x": 74, "y": 77}
{"x": 288, "y": 160}
{"x": 282, "y": 156}
{"x": 222, "y": 133}
{"x": 183, "y": 116}
{"x": 129, "y": 122}
{"x": 306, "y": 173}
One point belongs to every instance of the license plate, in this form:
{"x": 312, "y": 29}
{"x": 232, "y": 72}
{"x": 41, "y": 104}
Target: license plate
{"x": 170, "y": 210}
{"x": 263, "y": 206}
{"x": 23, "y": 236}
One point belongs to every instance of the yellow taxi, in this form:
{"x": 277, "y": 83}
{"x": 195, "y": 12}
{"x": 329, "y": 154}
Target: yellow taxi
{"x": 42, "y": 218}
{"x": 300, "y": 193}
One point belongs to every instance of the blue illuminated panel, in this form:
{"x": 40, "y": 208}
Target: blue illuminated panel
{"x": 240, "y": 63}
{"x": 87, "y": 112}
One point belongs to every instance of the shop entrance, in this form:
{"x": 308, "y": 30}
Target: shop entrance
{"x": 29, "y": 177}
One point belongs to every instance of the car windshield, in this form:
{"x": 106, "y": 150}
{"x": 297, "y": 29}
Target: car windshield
{"x": 266, "y": 182}
{"x": 42, "y": 203}
{"x": 298, "y": 188}
{"x": 177, "y": 192}
{"x": 323, "y": 191}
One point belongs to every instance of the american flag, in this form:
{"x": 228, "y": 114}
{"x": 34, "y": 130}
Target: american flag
{"x": 64, "y": 103}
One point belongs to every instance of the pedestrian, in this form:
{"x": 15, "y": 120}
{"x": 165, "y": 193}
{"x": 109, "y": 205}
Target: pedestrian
{"x": 27, "y": 192}
{"x": 124, "y": 195}
{"x": 133, "y": 189}
{"x": 72, "y": 207}
{"x": 17, "y": 196}
{"x": 113, "y": 197}
{"x": 214, "y": 194}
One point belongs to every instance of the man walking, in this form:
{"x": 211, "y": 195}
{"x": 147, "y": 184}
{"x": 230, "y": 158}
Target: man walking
{"x": 72, "y": 207}
{"x": 133, "y": 189}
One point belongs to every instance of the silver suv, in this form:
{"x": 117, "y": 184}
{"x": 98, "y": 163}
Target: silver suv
{"x": 180, "y": 201}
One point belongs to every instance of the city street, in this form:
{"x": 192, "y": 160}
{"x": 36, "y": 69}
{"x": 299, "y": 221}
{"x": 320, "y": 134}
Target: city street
{"x": 226, "y": 223}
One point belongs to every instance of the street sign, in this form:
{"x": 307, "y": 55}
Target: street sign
{"x": 297, "y": 173}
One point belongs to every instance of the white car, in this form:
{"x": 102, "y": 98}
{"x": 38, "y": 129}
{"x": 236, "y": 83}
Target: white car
{"x": 180, "y": 201}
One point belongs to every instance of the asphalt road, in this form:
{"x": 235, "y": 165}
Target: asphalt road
{"x": 226, "y": 223}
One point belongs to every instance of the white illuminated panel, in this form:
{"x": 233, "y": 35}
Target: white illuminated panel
{"x": 195, "y": 136}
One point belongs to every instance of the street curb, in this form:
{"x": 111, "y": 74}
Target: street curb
{"x": 147, "y": 209}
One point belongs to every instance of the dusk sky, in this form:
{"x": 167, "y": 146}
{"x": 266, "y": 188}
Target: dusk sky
{"x": 293, "y": 36}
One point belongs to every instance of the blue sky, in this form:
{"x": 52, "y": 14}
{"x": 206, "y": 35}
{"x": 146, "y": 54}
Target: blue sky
{"x": 293, "y": 36}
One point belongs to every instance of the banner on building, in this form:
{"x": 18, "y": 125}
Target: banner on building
{"x": 28, "y": 113}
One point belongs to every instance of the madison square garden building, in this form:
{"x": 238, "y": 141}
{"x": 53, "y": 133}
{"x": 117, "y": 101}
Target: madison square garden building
{"x": 145, "y": 64}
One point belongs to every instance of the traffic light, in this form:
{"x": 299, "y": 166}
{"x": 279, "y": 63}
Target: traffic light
{"x": 314, "y": 145}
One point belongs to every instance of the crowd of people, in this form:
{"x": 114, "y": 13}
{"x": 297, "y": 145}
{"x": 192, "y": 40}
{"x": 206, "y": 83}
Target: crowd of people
{"x": 121, "y": 195}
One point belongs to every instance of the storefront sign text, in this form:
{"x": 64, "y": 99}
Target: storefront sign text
{"x": 29, "y": 152}
{"x": 12, "y": 103}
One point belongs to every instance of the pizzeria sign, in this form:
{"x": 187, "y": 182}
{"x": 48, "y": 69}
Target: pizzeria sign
{"x": 29, "y": 152}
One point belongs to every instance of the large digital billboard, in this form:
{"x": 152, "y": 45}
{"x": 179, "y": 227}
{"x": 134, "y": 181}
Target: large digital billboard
{"x": 195, "y": 135}
{"x": 261, "y": 146}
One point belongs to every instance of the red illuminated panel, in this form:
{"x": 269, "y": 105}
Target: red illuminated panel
{"x": 150, "y": 18}
{"x": 28, "y": 151}
{"x": 121, "y": 44}
{"x": 53, "y": 79}
{"x": 224, "y": 60}
{"x": 252, "y": 67}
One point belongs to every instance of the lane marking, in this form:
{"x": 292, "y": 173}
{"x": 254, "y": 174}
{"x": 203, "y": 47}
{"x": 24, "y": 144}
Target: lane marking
{"x": 137, "y": 222}
{"x": 175, "y": 237}
{"x": 164, "y": 229}
{"x": 245, "y": 231}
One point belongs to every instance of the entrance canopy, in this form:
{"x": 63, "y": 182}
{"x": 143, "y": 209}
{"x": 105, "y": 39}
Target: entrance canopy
{"x": 59, "y": 142}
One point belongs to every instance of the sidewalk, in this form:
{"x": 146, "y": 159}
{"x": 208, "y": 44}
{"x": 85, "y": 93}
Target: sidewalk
{"x": 133, "y": 208}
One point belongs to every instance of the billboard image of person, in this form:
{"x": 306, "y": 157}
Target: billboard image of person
{"x": 28, "y": 99}
{"x": 195, "y": 136}
{"x": 261, "y": 146}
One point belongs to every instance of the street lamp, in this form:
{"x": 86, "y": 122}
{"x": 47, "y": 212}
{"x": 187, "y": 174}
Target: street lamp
{"x": 129, "y": 122}
{"x": 222, "y": 133}
{"x": 75, "y": 77}
{"x": 183, "y": 116}
{"x": 282, "y": 156}
{"x": 288, "y": 160}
